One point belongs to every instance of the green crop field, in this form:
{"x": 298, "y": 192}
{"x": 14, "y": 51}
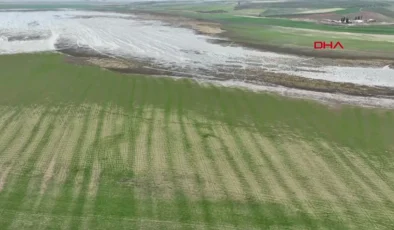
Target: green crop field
{"x": 348, "y": 11}
{"x": 234, "y": 15}
{"x": 239, "y": 20}
{"x": 263, "y": 31}
{"x": 301, "y": 38}
{"x": 86, "y": 148}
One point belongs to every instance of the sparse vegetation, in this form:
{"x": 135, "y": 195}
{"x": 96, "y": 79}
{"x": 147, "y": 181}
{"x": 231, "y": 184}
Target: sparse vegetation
{"x": 86, "y": 148}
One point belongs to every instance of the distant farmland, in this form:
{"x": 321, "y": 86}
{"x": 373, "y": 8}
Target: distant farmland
{"x": 261, "y": 24}
{"x": 84, "y": 148}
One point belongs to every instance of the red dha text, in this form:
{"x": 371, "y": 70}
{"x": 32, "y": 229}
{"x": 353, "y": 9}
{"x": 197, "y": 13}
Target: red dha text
{"x": 318, "y": 45}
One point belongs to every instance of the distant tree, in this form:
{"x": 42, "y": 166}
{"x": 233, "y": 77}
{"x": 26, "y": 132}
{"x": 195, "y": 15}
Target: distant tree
{"x": 347, "y": 20}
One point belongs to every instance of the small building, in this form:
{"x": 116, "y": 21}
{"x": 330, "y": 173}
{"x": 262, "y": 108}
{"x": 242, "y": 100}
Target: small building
{"x": 371, "y": 20}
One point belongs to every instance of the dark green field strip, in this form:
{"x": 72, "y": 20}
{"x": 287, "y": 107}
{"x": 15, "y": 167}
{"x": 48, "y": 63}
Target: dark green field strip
{"x": 356, "y": 209}
{"x": 247, "y": 190}
{"x": 16, "y": 113}
{"x": 16, "y": 132}
{"x": 86, "y": 171}
{"x": 256, "y": 23}
{"x": 348, "y": 11}
{"x": 353, "y": 170}
{"x": 278, "y": 144}
{"x": 317, "y": 4}
{"x": 287, "y": 163}
{"x": 259, "y": 215}
{"x": 124, "y": 202}
{"x": 151, "y": 205}
{"x": 27, "y": 144}
{"x": 207, "y": 206}
{"x": 260, "y": 124}
{"x": 203, "y": 128}
{"x": 45, "y": 200}
{"x": 28, "y": 219}
{"x": 184, "y": 213}
{"x": 134, "y": 126}
{"x": 329, "y": 124}
{"x": 19, "y": 187}
{"x": 137, "y": 115}
{"x": 191, "y": 156}
{"x": 66, "y": 201}
{"x": 222, "y": 126}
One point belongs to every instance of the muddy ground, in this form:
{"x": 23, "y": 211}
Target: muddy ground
{"x": 249, "y": 75}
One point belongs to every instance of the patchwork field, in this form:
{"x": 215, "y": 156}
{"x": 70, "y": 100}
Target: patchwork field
{"x": 85, "y": 148}
{"x": 259, "y": 24}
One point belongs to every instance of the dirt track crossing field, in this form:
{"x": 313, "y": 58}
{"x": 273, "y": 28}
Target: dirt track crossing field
{"x": 137, "y": 152}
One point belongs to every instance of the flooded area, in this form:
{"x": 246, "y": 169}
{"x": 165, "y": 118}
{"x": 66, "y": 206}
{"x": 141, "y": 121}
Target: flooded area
{"x": 164, "y": 48}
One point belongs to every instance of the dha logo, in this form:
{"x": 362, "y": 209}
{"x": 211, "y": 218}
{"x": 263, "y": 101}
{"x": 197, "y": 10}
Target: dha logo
{"x": 318, "y": 45}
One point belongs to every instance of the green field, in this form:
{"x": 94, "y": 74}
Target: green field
{"x": 234, "y": 15}
{"x": 305, "y": 38}
{"x": 285, "y": 32}
{"x": 264, "y": 31}
{"x": 85, "y": 148}
{"x": 227, "y": 19}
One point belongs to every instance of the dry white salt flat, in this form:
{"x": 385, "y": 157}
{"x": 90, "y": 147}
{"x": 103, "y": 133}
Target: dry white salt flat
{"x": 121, "y": 35}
